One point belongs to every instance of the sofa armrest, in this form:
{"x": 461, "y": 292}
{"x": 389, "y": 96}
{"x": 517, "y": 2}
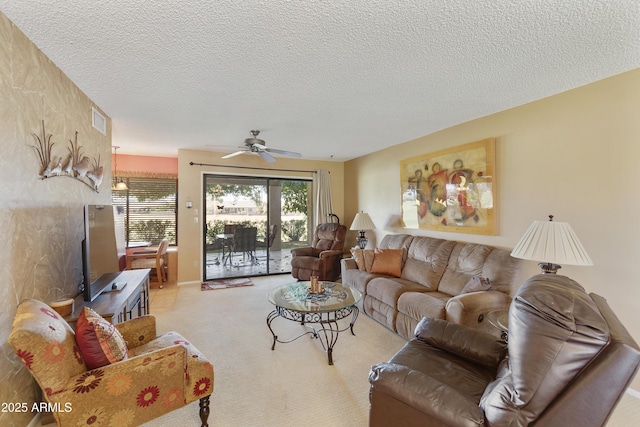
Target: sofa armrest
{"x": 426, "y": 394}
{"x": 302, "y": 251}
{"x": 329, "y": 254}
{"x": 468, "y": 343}
{"x": 137, "y": 381}
{"x": 138, "y": 331}
{"x": 348, "y": 264}
{"x": 471, "y": 309}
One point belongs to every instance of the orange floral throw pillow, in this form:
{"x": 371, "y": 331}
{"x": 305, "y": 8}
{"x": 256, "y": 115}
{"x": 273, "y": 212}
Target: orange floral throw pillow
{"x": 387, "y": 261}
{"x": 99, "y": 341}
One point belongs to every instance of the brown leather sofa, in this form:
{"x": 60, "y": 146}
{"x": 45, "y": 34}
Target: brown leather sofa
{"x": 433, "y": 276}
{"x": 322, "y": 259}
{"x": 567, "y": 363}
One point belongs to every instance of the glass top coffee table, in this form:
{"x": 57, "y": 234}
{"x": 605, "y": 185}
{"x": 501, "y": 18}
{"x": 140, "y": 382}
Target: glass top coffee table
{"x": 295, "y": 302}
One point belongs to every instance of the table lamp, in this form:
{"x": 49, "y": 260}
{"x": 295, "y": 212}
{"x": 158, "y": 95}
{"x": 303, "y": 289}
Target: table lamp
{"x": 551, "y": 243}
{"x": 362, "y": 222}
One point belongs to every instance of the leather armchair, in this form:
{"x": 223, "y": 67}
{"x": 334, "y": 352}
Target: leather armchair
{"x": 567, "y": 362}
{"x": 322, "y": 259}
{"x": 160, "y": 373}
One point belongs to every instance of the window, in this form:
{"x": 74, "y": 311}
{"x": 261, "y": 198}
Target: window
{"x": 150, "y": 208}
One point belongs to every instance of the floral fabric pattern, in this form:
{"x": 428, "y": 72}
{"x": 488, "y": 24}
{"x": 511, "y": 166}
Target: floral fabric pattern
{"x": 54, "y": 352}
{"x": 88, "y": 381}
{"x": 148, "y": 396}
{"x": 27, "y": 358}
{"x": 118, "y": 384}
{"x": 95, "y": 417}
{"x": 160, "y": 373}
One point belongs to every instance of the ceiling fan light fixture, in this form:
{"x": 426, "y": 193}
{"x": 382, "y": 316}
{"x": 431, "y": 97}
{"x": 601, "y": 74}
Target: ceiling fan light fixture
{"x": 259, "y": 146}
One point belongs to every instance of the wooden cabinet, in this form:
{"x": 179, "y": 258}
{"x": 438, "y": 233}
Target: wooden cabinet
{"x": 118, "y": 306}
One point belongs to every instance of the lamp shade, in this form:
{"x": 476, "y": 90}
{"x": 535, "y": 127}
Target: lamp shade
{"x": 551, "y": 242}
{"x": 120, "y": 185}
{"x": 362, "y": 221}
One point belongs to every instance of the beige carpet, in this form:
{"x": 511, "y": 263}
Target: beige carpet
{"x": 292, "y": 385}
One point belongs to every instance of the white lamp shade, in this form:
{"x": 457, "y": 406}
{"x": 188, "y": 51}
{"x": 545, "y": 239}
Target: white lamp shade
{"x": 362, "y": 221}
{"x": 551, "y": 242}
{"x": 121, "y": 185}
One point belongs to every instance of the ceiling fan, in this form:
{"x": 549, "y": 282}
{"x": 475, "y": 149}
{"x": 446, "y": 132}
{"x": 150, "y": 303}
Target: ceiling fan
{"x": 258, "y": 146}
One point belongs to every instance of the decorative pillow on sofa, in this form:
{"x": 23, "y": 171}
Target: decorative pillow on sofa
{"x": 98, "y": 340}
{"x": 476, "y": 284}
{"x": 387, "y": 261}
{"x": 364, "y": 258}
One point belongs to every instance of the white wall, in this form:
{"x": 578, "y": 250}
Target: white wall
{"x": 574, "y": 155}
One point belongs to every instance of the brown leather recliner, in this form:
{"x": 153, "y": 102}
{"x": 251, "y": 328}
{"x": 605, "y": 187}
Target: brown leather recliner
{"x": 567, "y": 363}
{"x": 322, "y": 259}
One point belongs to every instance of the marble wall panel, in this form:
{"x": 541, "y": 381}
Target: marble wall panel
{"x": 41, "y": 221}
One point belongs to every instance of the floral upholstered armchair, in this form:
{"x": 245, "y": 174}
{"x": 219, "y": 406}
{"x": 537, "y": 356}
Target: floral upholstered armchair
{"x": 120, "y": 374}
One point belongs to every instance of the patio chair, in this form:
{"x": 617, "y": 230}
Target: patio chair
{"x": 244, "y": 241}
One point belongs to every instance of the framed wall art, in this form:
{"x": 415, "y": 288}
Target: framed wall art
{"x": 451, "y": 190}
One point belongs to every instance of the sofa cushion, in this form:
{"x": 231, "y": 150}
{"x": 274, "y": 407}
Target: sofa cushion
{"x": 387, "y": 261}
{"x": 476, "y": 284}
{"x": 388, "y": 290}
{"x": 466, "y": 261}
{"x": 470, "y": 259}
{"x": 427, "y": 260}
{"x": 503, "y": 271}
{"x": 467, "y": 343}
{"x": 413, "y": 306}
{"x": 99, "y": 341}
{"x": 423, "y": 304}
{"x": 395, "y": 241}
{"x": 364, "y": 258}
{"x": 458, "y": 373}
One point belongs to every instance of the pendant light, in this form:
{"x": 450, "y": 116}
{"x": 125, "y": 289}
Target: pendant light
{"x": 119, "y": 184}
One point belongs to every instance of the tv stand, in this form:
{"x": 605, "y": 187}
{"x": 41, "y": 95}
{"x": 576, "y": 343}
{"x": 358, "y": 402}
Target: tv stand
{"x": 117, "y": 306}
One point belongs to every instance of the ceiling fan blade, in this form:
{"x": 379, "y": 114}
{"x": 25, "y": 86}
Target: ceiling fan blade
{"x": 268, "y": 157}
{"x": 258, "y": 145}
{"x": 284, "y": 152}
{"x": 237, "y": 153}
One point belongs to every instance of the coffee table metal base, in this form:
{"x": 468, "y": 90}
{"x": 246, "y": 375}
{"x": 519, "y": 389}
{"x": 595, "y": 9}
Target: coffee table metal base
{"x": 329, "y": 329}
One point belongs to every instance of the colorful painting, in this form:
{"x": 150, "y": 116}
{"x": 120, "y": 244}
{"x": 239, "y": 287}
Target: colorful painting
{"x": 451, "y": 190}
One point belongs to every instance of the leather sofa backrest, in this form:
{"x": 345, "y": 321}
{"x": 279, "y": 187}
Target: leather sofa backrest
{"x": 591, "y": 397}
{"x": 396, "y": 241}
{"x": 329, "y": 237}
{"x": 555, "y": 331}
{"x": 469, "y": 259}
{"x": 427, "y": 260}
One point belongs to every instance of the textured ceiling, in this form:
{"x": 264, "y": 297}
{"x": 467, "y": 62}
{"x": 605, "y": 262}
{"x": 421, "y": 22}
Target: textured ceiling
{"x": 325, "y": 78}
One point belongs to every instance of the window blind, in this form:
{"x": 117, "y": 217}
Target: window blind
{"x": 150, "y": 207}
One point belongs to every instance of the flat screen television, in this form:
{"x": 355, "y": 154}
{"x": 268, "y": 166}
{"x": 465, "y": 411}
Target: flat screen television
{"x": 101, "y": 249}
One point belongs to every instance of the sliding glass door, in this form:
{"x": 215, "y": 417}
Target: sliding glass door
{"x": 252, "y": 223}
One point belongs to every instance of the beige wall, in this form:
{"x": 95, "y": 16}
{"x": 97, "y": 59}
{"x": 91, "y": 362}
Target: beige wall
{"x": 574, "y": 155}
{"x": 41, "y": 221}
{"x": 190, "y": 189}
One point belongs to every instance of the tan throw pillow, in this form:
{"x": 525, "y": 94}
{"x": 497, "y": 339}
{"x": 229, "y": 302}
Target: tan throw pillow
{"x": 98, "y": 340}
{"x": 387, "y": 261}
{"x": 364, "y": 258}
{"x": 476, "y": 284}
